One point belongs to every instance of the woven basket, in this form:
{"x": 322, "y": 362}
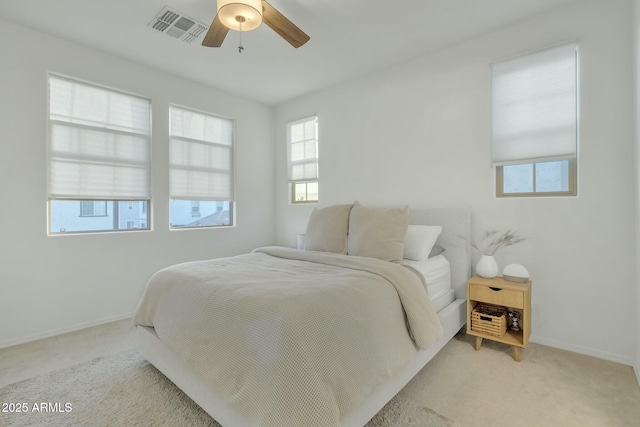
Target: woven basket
{"x": 489, "y": 319}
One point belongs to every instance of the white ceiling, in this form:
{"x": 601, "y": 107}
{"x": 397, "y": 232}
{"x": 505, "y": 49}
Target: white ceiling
{"x": 349, "y": 38}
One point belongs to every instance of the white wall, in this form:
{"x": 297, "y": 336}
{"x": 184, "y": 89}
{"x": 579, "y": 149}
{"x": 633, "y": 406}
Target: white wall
{"x": 418, "y": 133}
{"x": 54, "y": 284}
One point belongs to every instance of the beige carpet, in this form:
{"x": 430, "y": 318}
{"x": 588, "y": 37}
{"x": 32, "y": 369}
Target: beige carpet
{"x": 460, "y": 387}
{"x": 550, "y": 387}
{"x": 125, "y": 390}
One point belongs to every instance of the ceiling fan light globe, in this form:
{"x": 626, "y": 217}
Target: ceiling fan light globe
{"x": 250, "y": 10}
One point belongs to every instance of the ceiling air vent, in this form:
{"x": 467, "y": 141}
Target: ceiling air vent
{"x": 177, "y": 25}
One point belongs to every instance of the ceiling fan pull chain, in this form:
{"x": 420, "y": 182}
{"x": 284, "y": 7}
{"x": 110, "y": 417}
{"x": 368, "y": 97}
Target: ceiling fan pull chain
{"x": 240, "y": 47}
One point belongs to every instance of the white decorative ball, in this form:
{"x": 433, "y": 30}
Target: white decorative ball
{"x": 515, "y": 273}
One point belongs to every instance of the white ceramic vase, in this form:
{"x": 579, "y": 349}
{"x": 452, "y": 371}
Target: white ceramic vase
{"x": 487, "y": 267}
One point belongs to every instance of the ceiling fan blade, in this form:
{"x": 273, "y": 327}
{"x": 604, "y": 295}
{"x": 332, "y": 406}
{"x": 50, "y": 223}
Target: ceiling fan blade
{"x": 216, "y": 34}
{"x": 281, "y": 25}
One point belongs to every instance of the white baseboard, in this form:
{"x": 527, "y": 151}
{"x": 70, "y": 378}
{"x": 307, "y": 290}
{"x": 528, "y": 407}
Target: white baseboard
{"x": 584, "y": 350}
{"x": 60, "y": 331}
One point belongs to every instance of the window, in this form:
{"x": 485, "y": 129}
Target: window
{"x": 201, "y": 169}
{"x": 535, "y": 122}
{"x": 302, "y": 159}
{"x": 540, "y": 178}
{"x": 99, "y": 151}
{"x": 304, "y": 192}
{"x": 69, "y": 216}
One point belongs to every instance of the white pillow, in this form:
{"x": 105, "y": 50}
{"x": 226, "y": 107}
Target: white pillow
{"x": 377, "y": 232}
{"x": 419, "y": 241}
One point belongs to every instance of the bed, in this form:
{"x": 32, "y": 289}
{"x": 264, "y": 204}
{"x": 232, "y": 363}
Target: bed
{"x": 220, "y": 388}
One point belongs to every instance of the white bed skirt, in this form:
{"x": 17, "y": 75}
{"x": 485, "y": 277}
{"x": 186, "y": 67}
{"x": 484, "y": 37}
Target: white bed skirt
{"x": 453, "y": 318}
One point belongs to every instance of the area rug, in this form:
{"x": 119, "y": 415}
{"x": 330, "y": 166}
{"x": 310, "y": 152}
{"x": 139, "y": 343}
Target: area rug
{"x": 125, "y": 390}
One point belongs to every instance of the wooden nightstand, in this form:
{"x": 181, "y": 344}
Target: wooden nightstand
{"x": 514, "y": 296}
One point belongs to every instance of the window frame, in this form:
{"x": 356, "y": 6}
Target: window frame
{"x": 572, "y": 175}
{"x": 232, "y": 174}
{"x": 293, "y": 183}
{"x": 52, "y": 121}
{"x": 533, "y": 160}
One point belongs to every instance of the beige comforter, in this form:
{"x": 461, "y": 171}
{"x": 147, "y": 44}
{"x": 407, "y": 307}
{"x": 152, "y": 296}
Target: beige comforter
{"x": 288, "y": 337}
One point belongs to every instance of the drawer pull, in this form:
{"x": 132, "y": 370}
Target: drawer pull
{"x": 495, "y": 289}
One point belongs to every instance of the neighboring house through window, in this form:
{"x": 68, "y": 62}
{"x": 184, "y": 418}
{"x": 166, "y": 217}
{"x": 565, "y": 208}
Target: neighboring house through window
{"x": 535, "y": 123}
{"x": 201, "y": 169}
{"x": 93, "y": 208}
{"x": 99, "y": 156}
{"x": 302, "y": 159}
{"x": 195, "y": 209}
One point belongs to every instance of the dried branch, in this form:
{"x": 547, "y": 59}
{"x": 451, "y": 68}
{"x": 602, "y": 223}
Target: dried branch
{"x": 494, "y": 240}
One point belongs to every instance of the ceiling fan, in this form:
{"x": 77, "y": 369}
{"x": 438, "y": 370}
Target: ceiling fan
{"x": 247, "y": 15}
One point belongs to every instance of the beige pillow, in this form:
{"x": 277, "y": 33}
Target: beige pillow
{"x": 378, "y": 232}
{"x": 327, "y": 229}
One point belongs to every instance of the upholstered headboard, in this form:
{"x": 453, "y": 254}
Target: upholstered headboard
{"x": 455, "y": 239}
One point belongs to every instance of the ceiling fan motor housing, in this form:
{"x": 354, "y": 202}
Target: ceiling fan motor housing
{"x": 232, "y": 13}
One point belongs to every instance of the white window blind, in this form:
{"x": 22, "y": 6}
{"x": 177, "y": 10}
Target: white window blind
{"x": 534, "y": 107}
{"x": 99, "y": 142}
{"x": 201, "y": 156}
{"x": 302, "y": 153}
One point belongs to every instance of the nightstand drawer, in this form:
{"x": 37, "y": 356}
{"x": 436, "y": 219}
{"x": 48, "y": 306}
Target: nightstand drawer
{"x": 505, "y": 297}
